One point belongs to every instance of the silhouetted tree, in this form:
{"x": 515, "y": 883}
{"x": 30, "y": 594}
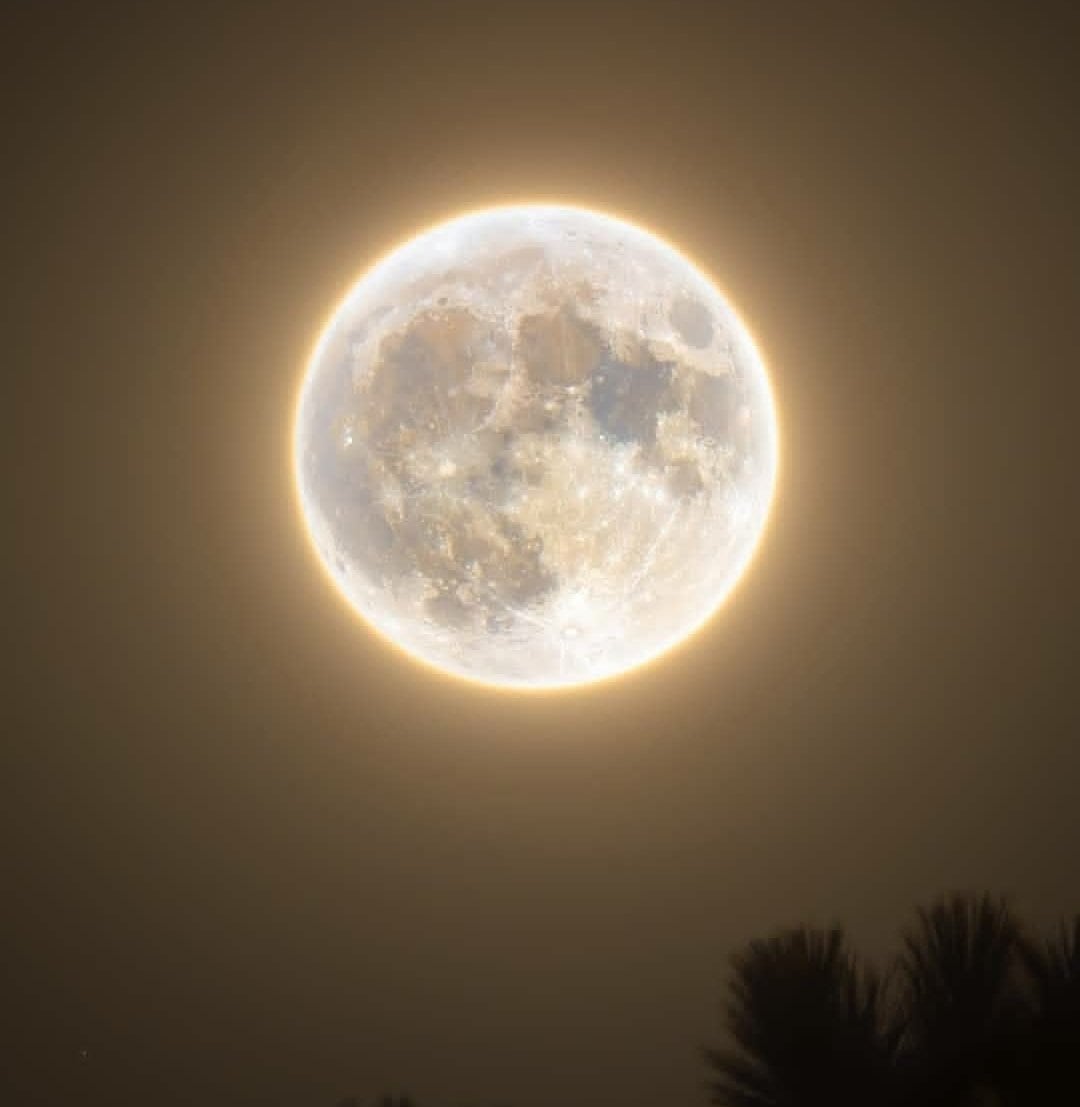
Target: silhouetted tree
{"x": 974, "y": 1014}
{"x": 1053, "y": 969}
{"x": 384, "y": 1101}
{"x": 807, "y": 1025}
{"x": 961, "y": 1007}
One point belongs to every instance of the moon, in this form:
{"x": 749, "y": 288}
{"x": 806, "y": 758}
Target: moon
{"x": 535, "y": 447}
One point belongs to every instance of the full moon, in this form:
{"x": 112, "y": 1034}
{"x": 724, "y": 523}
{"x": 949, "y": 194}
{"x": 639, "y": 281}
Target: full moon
{"x": 535, "y": 447}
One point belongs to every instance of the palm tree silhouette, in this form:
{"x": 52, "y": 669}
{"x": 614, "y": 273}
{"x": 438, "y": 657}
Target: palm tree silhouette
{"x": 384, "y": 1101}
{"x": 808, "y": 1027}
{"x": 1053, "y": 969}
{"x": 961, "y": 1007}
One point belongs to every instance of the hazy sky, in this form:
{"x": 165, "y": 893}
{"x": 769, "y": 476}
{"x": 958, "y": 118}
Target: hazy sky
{"x": 252, "y": 857}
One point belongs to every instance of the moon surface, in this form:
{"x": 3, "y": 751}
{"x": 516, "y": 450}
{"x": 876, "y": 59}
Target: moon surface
{"x": 535, "y": 447}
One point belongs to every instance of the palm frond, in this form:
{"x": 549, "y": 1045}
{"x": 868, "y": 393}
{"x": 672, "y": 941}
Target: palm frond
{"x": 806, "y": 1022}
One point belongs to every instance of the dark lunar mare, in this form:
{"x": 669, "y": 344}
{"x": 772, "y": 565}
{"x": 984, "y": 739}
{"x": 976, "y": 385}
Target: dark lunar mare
{"x": 413, "y": 398}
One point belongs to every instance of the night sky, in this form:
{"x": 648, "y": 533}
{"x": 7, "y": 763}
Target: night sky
{"x": 250, "y": 855}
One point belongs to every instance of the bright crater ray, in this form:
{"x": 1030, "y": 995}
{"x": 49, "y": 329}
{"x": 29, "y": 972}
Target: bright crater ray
{"x": 535, "y": 447}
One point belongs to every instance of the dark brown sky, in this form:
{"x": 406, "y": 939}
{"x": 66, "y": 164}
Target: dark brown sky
{"x": 253, "y": 858}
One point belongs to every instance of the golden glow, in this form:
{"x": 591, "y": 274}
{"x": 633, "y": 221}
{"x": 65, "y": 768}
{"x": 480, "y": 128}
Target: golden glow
{"x": 603, "y": 678}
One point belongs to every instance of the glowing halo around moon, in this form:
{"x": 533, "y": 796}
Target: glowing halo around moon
{"x": 535, "y": 447}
